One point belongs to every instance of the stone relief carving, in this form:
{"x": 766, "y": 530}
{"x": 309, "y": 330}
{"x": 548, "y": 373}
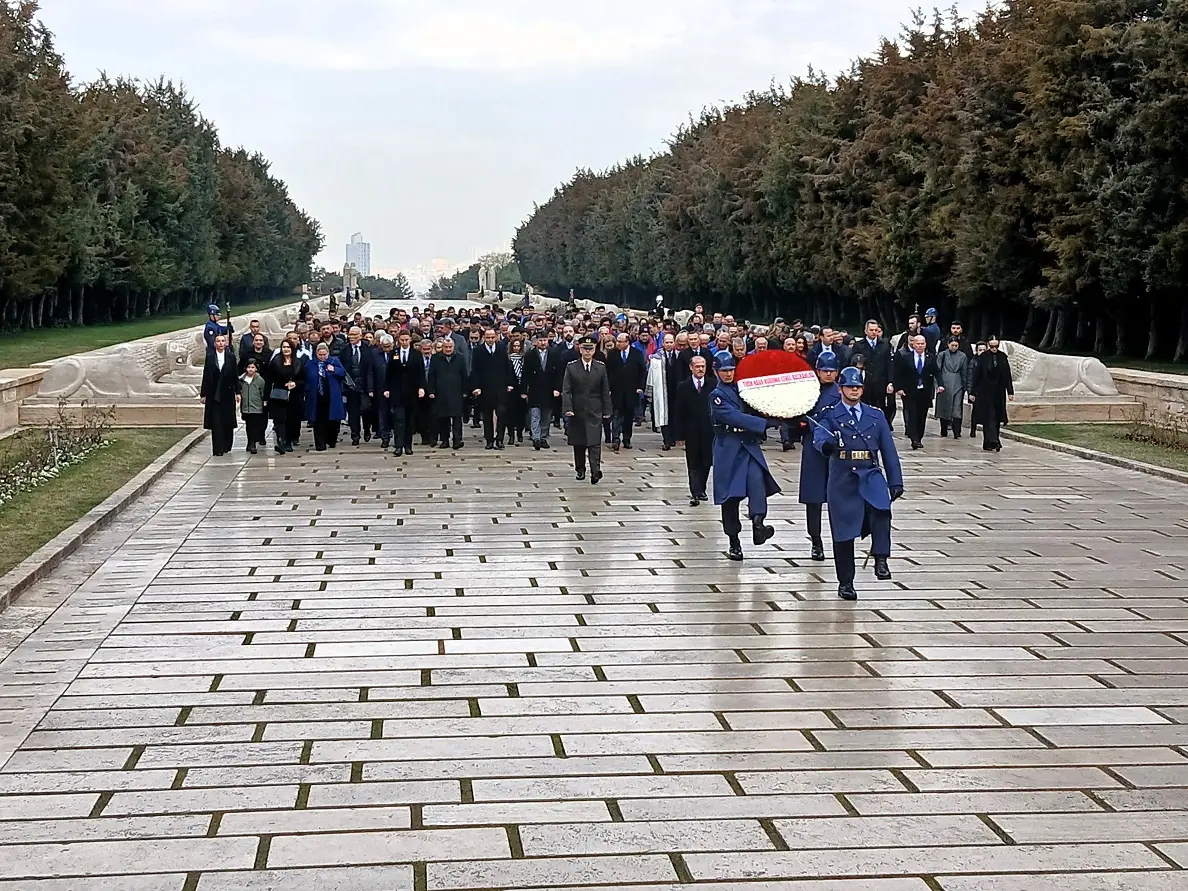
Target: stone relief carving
{"x": 1049, "y": 376}
{"x": 124, "y": 372}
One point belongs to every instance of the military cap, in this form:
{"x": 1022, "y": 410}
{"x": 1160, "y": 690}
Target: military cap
{"x": 827, "y": 362}
{"x": 851, "y": 377}
{"x": 588, "y": 340}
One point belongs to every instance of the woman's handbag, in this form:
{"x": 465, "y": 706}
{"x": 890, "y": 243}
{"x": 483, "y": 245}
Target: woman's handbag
{"x": 279, "y": 394}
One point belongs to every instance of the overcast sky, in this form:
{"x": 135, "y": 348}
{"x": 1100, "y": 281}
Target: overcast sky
{"x": 432, "y": 126}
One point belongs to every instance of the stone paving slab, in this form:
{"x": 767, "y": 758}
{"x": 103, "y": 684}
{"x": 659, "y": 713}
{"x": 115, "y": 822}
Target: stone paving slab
{"x": 467, "y": 671}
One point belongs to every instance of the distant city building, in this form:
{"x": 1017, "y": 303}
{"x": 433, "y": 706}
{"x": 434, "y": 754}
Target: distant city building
{"x": 358, "y": 254}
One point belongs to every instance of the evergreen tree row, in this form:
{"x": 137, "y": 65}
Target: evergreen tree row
{"x": 1026, "y": 172}
{"x": 117, "y": 200}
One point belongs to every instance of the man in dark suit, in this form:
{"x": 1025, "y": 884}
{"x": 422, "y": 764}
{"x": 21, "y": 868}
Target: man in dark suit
{"x": 219, "y": 393}
{"x": 828, "y": 342}
{"x": 627, "y": 371}
{"x": 695, "y": 428}
{"x": 405, "y": 385}
{"x": 355, "y": 358}
{"x": 542, "y": 384}
{"x": 447, "y": 382}
{"x": 915, "y": 382}
{"x": 379, "y": 358}
{"x": 490, "y": 383}
{"x": 586, "y": 401}
{"x": 879, "y": 389}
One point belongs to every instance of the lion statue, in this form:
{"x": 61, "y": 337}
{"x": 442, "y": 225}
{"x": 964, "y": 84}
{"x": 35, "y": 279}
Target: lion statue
{"x": 123, "y": 372}
{"x": 1047, "y": 375}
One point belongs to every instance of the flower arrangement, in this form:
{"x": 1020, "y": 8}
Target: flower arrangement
{"x": 777, "y": 384}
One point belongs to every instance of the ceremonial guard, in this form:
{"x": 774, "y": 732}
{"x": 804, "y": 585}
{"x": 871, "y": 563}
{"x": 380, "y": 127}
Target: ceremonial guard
{"x": 814, "y": 466}
{"x": 854, "y": 437}
{"x": 214, "y": 327}
{"x": 740, "y": 470}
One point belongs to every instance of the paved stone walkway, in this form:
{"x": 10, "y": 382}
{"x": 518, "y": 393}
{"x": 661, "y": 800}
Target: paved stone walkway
{"x": 467, "y": 671}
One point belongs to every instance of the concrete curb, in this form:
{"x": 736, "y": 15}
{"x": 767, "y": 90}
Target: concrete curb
{"x": 1091, "y": 455}
{"x": 53, "y": 553}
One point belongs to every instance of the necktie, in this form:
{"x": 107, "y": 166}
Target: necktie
{"x": 404, "y": 357}
{"x": 491, "y": 350}
{"x": 356, "y": 355}
{"x": 587, "y": 366}
{"x": 624, "y": 357}
{"x": 854, "y": 413}
{"x": 543, "y": 360}
{"x": 919, "y": 363}
{"x": 698, "y": 385}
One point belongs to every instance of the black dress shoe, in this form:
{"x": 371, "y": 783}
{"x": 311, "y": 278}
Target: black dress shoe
{"x": 614, "y": 447}
{"x": 788, "y": 447}
{"x": 694, "y": 501}
{"x": 595, "y": 477}
{"x": 498, "y": 445}
{"x": 761, "y": 532}
{"x": 279, "y": 449}
{"x": 366, "y": 438}
{"x": 252, "y": 449}
{"x": 397, "y": 452}
{"x": 665, "y": 447}
{"x": 818, "y": 552}
{"x": 443, "y": 445}
{"x": 581, "y": 475}
{"x": 846, "y": 591}
{"x": 385, "y": 442}
{"x": 626, "y": 444}
{"x": 490, "y": 446}
{"x": 458, "y": 445}
{"x": 882, "y": 571}
{"x": 701, "y": 496}
{"x": 536, "y": 444}
{"x": 289, "y": 446}
{"x": 735, "y": 551}
{"x": 408, "y": 451}
{"x": 354, "y": 440}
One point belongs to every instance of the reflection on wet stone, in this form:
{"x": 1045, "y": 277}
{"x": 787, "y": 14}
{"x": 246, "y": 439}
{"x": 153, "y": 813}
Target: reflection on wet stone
{"x": 213, "y": 697}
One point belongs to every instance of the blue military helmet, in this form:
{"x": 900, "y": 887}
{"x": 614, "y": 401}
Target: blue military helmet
{"x": 723, "y": 361}
{"x": 827, "y": 362}
{"x": 212, "y": 309}
{"x": 931, "y": 311}
{"x": 850, "y": 377}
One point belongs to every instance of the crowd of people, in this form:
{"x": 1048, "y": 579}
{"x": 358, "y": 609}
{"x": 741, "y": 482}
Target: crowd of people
{"x": 417, "y": 377}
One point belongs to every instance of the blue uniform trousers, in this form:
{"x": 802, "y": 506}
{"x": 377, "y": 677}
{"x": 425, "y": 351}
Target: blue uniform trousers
{"x": 880, "y": 537}
{"x": 756, "y": 502}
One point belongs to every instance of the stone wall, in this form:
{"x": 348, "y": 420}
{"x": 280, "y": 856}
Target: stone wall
{"x": 16, "y": 385}
{"x": 1162, "y": 393}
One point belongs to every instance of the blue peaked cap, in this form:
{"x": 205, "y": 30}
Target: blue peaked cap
{"x": 827, "y": 362}
{"x": 723, "y": 361}
{"x": 851, "y": 377}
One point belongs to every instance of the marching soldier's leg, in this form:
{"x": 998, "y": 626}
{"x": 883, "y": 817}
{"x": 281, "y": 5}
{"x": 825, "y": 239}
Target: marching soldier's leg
{"x": 812, "y": 513}
{"x": 880, "y": 538}
{"x": 843, "y": 564}
{"x": 757, "y": 504}
{"x": 732, "y": 526}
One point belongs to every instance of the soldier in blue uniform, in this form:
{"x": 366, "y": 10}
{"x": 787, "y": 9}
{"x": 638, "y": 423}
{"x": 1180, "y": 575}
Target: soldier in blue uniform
{"x": 814, "y": 467}
{"x": 853, "y": 437}
{"x": 740, "y": 470}
{"x": 214, "y": 327}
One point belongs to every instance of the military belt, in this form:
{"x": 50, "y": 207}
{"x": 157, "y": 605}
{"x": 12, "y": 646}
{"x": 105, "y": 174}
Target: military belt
{"x": 854, "y": 455}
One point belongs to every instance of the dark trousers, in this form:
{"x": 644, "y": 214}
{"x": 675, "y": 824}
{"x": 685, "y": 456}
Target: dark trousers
{"x": 486, "y": 410}
{"x": 426, "y": 423}
{"x": 511, "y": 419}
{"x": 222, "y": 435}
{"x": 448, "y": 426}
{"x": 880, "y": 538}
{"x": 403, "y": 423}
{"x": 623, "y": 423}
{"x": 699, "y": 461}
{"x": 381, "y": 408}
{"x": 606, "y": 430}
{"x": 990, "y": 436}
{"x": 955, "y": 423}
{"x": 325, "y": 431}
{"x": 915, "y": 413}
{"x": 812, "y": 519}
{"x": 579, "y": 458}
{"x": 354, "y": 414}
{"x": 667, "y": 434}
{"x": 257, "y": 428}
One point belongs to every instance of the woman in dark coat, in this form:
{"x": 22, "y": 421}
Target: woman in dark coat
{"x": 448, "y": 380}
{"x": 323, "y": 397}
{"x": 259, "y": 351}
{"x": 286, "y": 371}
{"x": 990, "y": 388}
{"x": 219, "y": 392}
{"x": 514, "y": 413}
